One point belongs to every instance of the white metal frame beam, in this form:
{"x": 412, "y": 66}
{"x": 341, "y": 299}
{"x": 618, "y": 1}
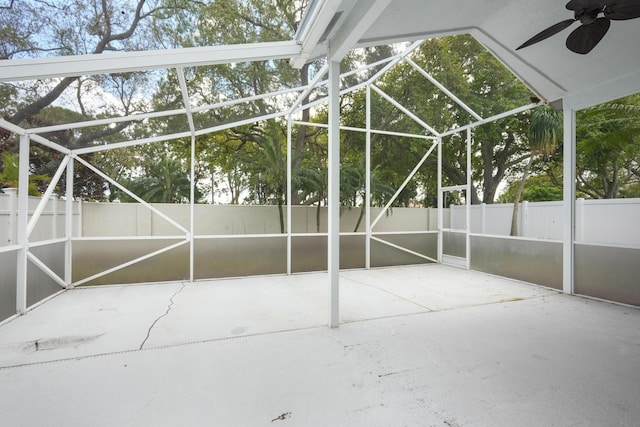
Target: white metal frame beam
{"x": 23, "y": 217}
{"x": 156, "y": 114}
{"x": 333, "y": 160}
{"x": 569, "y": 197}
{"x": 404, "y": 184}
{"x": 79, "y": 65}
{"x": 192, "y": 169}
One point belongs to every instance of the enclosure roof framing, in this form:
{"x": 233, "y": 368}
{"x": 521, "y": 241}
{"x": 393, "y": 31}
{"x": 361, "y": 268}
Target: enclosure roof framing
{"x": 299, "y": 104}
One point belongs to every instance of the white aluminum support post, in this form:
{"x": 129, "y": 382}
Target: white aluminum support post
{"x": 468, "y": 205}
{"x": 440, "y": 211}
{"x": 333, "y": 243}
{"x": 192, "y": 213}
{"x": 289, "y": 192}
{"x": 192, "y": 171}
{"x": 54, "y": 215}
{"x": 367, "y": 197}
{"x": 569, "y": 197}
{"x": 68, "y": 226}
{"x": 23, "y": 215}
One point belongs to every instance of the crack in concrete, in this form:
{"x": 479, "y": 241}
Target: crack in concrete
{"x": 386, "y": 291}
{"x": 162, "y": 315}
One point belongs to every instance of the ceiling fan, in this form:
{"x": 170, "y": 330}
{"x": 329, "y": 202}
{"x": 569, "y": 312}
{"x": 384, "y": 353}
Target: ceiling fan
{"x": 593, "y": 27}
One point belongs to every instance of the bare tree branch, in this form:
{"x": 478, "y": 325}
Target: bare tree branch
{"x": 8, "y": 7}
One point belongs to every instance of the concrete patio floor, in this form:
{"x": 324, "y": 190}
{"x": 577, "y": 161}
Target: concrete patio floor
{"x": 419, "y": 346}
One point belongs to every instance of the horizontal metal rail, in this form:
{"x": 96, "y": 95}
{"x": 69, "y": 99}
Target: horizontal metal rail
{"x": 490, "y": 119}
{"x": 47, "y": 242}
{"x": 120, "y": 238}
{"x": 454, "y": 188}
{"x": 363, "y": 130}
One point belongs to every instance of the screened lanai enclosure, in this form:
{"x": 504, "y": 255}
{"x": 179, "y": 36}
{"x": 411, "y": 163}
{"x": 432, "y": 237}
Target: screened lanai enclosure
{"x": 85, "y": 243}
{"x": 198, "y": 229}
{"x": 194, "y": 241}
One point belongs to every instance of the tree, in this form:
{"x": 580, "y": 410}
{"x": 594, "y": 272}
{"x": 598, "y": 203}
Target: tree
{"x": 162, "y": 179}
{"x": 71, "y": 27}
{"x": 608, "y": 148}
{"x": 74, "y": 27}
{"x": 10, "y": 174}
{"x": 353, "y": 190}
{"x": 545, "y": 132}
{"x": 463, "y": 66}
{"x": 539, "y": 187}
{"x": 259, "y": 153}
{"x": 607, "y": 151}
{"x": 233, "y": 22}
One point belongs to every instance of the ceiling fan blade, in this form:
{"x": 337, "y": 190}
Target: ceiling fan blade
{"x": 585, "y": 4}
{"x": 554, "y": 29}
{"x": 621, "y": 10}
{"x": 586, "y": 37}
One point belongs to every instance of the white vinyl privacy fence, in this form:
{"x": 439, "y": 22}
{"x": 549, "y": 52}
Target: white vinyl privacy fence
{"x": 606, "y": 245}
{"x": 130, "y": 243}
{"x": 605, "y": 221}
{"x": 50, "y": 225}
{"x": 608, "y": 221}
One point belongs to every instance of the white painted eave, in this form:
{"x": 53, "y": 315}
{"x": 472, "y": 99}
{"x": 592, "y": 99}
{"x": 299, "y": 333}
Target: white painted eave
{"x": 314, "y": 25}
{"x": 609, "y": 72}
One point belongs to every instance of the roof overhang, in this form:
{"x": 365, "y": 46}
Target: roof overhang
{"x": 610, "y": 71}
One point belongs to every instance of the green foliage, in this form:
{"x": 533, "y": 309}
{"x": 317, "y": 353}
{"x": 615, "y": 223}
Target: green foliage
{"x": 537, "y": 188}
{"x": 9, "y": 176}
{"x": 163, "y": 178}
{"x": 476, "y": 77}
{"x": 251, "y": 159}
{"x": 608, "y": 148}
{"x": 38, "y": 28}
{"x": 607, "y": 152}
{"x": 545, "y": 131}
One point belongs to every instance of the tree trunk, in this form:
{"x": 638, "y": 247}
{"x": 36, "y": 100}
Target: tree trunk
{"x": 362, "y": 209}
{"x": 35, "y": 107}
{"x": 281, "y": 214}
{"x": 298, "y": 148}
{"x": 102, "y": 44}
{"x": 518, "y": 195}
